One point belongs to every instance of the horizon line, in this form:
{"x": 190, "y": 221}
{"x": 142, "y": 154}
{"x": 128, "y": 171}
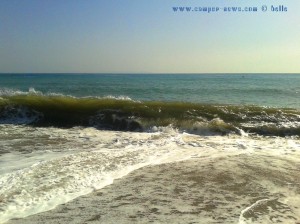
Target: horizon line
{"x": 149, "y": 73}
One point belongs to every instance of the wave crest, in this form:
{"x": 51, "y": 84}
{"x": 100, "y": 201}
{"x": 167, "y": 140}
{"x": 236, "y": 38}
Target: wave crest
{"x": 129, "y": 115}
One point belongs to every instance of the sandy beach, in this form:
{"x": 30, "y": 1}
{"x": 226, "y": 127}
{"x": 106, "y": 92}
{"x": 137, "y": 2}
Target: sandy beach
{"x": 193, "y": 191}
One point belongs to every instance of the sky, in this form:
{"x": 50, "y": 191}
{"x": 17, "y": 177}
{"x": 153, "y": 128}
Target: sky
{"x": 147, "y": 36}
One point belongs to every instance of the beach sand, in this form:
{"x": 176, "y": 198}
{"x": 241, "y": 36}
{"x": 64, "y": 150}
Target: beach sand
{"x": 214, "y": 190}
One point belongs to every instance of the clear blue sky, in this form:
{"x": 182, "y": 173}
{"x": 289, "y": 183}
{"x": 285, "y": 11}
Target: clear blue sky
{"x": 147, "y": 36}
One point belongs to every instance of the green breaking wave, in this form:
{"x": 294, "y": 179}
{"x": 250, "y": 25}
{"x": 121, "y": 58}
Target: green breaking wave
{"x": 116, "y": 114}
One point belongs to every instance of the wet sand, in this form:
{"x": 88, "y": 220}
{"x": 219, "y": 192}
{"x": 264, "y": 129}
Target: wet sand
{"x": 236, "y": 189}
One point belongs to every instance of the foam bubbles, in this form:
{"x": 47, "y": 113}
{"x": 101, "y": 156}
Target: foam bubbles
{"x": 50, "y": 166}
{"x": 19, "y": 115}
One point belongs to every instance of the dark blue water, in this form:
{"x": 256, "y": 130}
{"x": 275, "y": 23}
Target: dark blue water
{"x": 274, "y": 90}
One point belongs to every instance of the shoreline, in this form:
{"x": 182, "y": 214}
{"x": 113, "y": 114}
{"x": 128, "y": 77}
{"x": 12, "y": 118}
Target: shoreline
{"x": 211, "y": 190}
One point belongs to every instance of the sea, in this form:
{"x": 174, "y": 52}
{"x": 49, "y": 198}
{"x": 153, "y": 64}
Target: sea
{"x": 66, "y": 135}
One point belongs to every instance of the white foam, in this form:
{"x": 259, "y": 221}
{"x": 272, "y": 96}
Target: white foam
{"x": 50, "y": 166}
{"x": 42, "y": 182}
{"x": 4, "y": 92}
{"x": 121, "y": 97}
{"x": 242, "y": 219}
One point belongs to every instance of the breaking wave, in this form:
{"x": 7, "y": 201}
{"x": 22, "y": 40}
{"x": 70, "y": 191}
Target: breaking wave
{"x": 123, "y": 113}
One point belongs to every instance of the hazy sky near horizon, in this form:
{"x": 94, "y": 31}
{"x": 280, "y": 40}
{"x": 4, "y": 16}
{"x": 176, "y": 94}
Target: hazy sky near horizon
{"x": 97, "y": 36}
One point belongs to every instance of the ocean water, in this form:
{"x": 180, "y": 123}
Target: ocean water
{"x": 274, "y": 90}
{"x": 66, "y": 135}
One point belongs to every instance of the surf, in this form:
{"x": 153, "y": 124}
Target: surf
{"x": 113, "y": 113}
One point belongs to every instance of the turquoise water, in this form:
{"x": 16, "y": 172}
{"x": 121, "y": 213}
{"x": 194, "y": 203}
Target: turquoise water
{"x": 273, "y": 90}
